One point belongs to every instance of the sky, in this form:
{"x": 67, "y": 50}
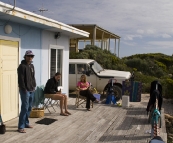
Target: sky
{"x": 145, "y": 26}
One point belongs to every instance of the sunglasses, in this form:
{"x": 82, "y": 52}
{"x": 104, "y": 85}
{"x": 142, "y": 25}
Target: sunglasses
{"x": 30, "y": 56}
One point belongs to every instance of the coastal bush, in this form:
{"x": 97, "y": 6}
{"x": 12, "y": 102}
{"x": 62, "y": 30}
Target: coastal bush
{"x": 147, "y": 67}
{"x": 167, "y": 85}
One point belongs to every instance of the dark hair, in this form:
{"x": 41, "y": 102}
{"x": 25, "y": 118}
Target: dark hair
{"x": 58, "y": 73}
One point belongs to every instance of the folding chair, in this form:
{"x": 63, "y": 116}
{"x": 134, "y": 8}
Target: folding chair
{"x": 50, "y": 102}
{"x": 80, "y": 99}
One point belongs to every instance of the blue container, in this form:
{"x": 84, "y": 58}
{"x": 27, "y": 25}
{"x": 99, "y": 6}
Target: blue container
{"x": 110, "y": 98}
{"x": 113, "y": 99}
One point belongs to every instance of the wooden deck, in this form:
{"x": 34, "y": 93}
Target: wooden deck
{"x": 105, "y": 123}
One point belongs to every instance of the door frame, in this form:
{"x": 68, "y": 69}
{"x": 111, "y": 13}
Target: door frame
{"x": 49, "y": 57}
{"x": 19, "y": 49}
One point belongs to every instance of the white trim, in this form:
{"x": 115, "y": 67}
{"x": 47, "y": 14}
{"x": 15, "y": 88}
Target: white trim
{"x": 56, "y": 59}
{"x": 16, "y": 40}
{"x": 56, "y": 47}
{"x": 23, "y": 14}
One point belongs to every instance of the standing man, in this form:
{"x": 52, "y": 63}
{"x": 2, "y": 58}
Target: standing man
{"x": 27, "y": 84}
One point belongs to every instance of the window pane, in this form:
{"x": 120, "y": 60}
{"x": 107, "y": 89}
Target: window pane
{"x": 59, "y": 63}
{"x": 56, "y": 63}
{"x": 81, "y": 68}
{"x": 71, "y": 68}
{"x": 59, "y": 60}
{"x": 89, "y": 69}
{"x": 53, "y": 63}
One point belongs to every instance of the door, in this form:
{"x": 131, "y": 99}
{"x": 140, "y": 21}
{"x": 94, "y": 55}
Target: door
{"x": 9, "y": 96}
{"x": 101, "y": 83}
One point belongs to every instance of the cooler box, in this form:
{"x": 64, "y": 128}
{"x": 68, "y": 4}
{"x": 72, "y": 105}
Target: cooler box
{"x": 133, "y": 89}
{"x": 97, "y": 96}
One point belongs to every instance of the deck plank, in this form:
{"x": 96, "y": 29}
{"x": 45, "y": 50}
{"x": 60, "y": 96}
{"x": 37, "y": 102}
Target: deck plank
{"x": 105, "y": 123}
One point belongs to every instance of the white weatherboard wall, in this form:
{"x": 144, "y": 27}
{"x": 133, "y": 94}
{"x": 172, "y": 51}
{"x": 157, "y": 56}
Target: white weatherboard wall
{"x": 49, "y": 41}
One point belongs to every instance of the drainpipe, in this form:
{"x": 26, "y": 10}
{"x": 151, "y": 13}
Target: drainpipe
{"x": 13, "y": 6}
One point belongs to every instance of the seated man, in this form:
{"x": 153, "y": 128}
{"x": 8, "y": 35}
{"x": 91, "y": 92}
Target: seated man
{"x": 51, "y": 88}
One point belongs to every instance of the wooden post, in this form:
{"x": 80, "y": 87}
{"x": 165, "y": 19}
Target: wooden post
{"x": 102, "y": 40}
{"x": 115, "y": 47}
{"x": 94, "y": 35}
{"x": 109, "y": 42}
{"x": 84, "y": 44}
{"x": 118, "y": 47}
{"x": 77, "y": 48}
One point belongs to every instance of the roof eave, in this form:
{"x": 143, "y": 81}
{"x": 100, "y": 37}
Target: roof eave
{"x": 98, "y": 27}
{"x": 23, "y": 14}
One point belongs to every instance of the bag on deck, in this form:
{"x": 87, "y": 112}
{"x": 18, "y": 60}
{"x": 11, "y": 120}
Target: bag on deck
{"x": 2, "y": 126}
{"x": 155, "y": 93}
{"x": 110, "y": 96}
{"x": 156, "y": 139}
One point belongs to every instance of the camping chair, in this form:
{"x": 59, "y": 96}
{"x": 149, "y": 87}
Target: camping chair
{"x": 50, "y": 102}
{"x": 81, "y": 99}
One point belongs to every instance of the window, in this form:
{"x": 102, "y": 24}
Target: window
{"x": 97, "y": 67}
{"x": 83, "y": 68}
{"x": 56, "y": 62}
{"x": 71, "y": 68}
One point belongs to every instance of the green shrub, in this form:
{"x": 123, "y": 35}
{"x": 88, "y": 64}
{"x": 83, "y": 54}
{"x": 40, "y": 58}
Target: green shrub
{"x": 167, "y": 85}
{"x": 160, "y": 64}
{"x": 147, "y": 67}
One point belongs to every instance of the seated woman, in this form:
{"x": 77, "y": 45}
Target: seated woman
{"x": 83, "y": 87}
{"x": 51, "y": 88}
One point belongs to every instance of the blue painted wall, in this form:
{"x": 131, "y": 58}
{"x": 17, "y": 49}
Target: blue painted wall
{"x": 30, "y": 40}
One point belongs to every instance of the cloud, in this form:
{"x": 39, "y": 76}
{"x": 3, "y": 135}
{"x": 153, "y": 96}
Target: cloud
{"x": 131, "y": 37}
{"x": 161, "y": 44}
{"x": 122, "y": 18}
{"x": 166, "y": 36}
{"x": 140, "y": 31}
{"x": 137, "y": 21}
{"x": 150, "y": 31}
{"x": 130, "y": 43}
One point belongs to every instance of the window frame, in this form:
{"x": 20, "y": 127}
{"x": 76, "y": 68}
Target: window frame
{"x": 56, "y": 47}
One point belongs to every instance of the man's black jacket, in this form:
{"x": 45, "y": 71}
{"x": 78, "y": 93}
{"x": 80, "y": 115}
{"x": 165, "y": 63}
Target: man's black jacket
{"x": 51, "y": 86}
{"x": 26, "y": 76}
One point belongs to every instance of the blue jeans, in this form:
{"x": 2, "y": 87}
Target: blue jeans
{"x": 26, "y": 99}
